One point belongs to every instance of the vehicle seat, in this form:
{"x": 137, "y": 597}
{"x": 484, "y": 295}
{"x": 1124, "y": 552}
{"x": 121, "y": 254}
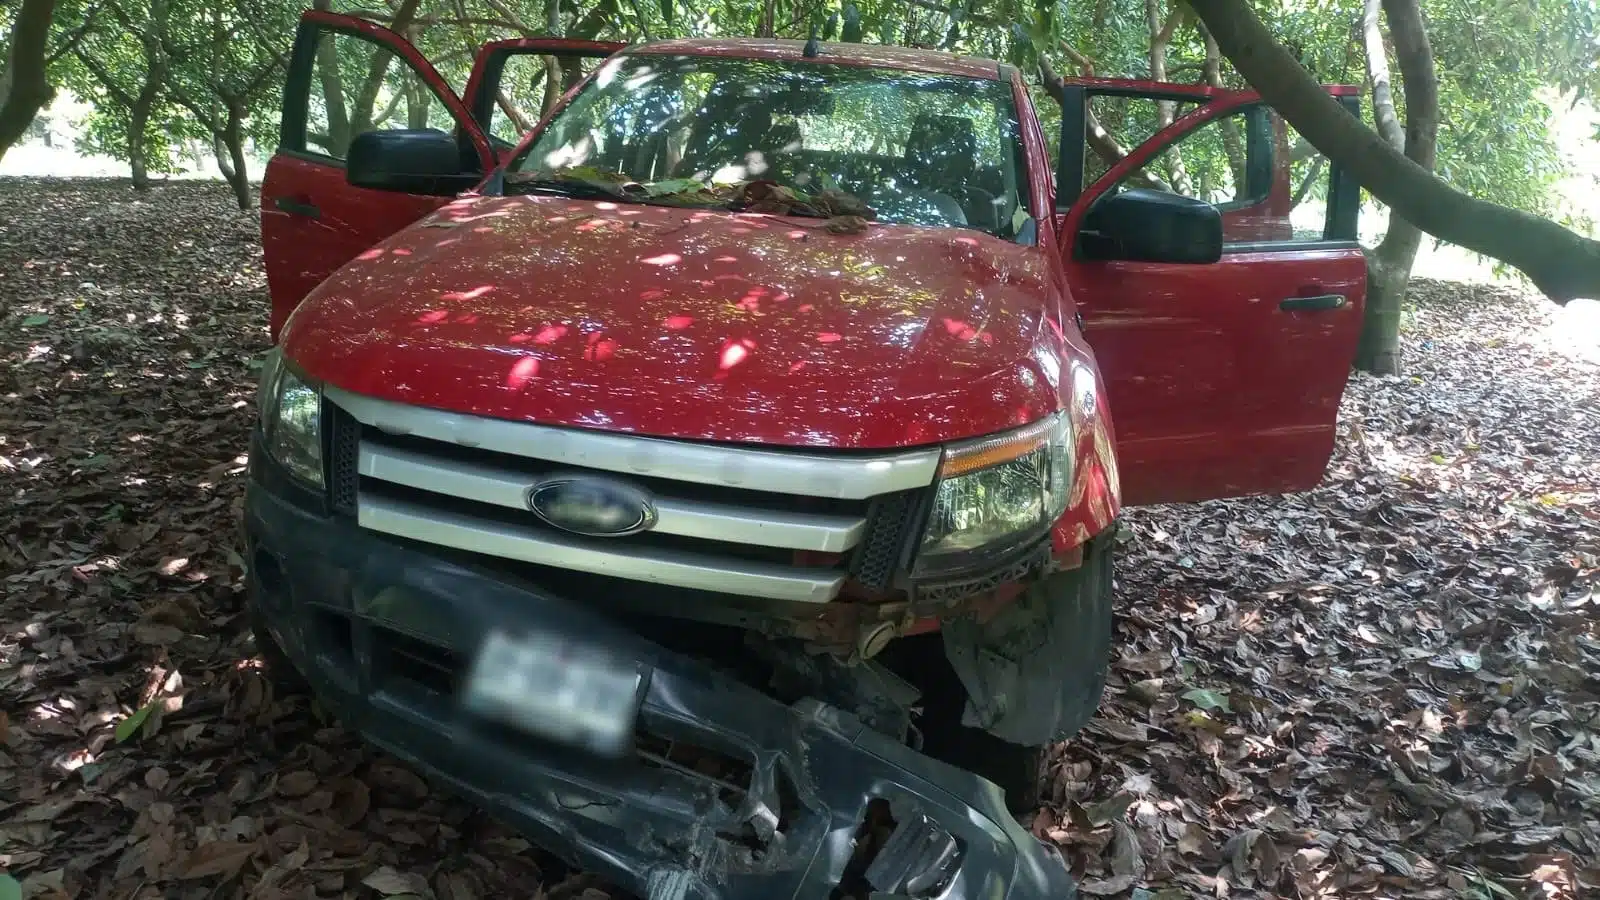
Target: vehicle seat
{"x": 941, "y": 156}
{"x": 727, "y": 136}
{"x": 781, "y": 146}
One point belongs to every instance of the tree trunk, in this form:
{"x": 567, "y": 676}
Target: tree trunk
{"x": 24, "y": 82}
{"x": 552, "y": 64}
{"x": 138, "y": 121}
{"x": 1166, "y": 111}
{"x": 239, "y": 177}
{"x": 1560, "y": 263}
{"x": 594, "y": 21}
{"x": 332, "y": 89}
{"x": 1232, "y": 139}
{"x": 219, "y": 152}
{"x": 1389, "y": 266}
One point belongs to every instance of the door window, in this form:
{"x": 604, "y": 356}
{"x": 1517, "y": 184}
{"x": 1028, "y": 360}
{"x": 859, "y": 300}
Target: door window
{"x": 357, "y": 85}
{"x": 528, "y": 88}
{"x": 1269, "y": 184}
{"x": 1116, "y": 124}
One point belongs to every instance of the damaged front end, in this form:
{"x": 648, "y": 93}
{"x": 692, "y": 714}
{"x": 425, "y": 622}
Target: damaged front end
{"x": 711, "y": 789}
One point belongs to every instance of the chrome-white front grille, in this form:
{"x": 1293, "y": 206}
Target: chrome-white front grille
{"x": 728, "y": 519}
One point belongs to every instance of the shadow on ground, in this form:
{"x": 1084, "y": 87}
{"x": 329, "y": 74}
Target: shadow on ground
{"x": 1385, "y": 687}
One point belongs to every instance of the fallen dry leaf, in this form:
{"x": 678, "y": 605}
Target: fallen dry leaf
{"x": 297, "y": 784}
{"x": 224, "y": 858}
{"x": 351, "y": 800}
{"x": 847, "y": 225}
{"x": 389, "y": 882}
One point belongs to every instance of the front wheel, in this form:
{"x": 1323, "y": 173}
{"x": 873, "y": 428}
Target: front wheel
{"x": 1031, "y": 676}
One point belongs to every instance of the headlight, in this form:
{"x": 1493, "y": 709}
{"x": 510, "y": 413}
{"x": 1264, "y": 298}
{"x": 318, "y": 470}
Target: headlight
{"x": 997, "y": 492}
{"x": 291, "y": 422}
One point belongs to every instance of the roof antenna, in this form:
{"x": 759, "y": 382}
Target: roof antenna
{"x": 813, "y": 47}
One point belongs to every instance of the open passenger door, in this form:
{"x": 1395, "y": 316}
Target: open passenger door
{"x": 1223, "y": 374}
{"x": 348, "y": 76}
{"x": 513, "y": 84}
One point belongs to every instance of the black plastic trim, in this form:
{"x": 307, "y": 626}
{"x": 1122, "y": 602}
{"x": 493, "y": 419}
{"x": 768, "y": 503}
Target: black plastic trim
{"x": 1344, "y": 192}
{"x": 1285, "y": 246}
{"x": 297, "y": 87}
{"x": 309, "y": 156}
{"x": 1069, "y": 165}
{"x": 1260, "y": 154}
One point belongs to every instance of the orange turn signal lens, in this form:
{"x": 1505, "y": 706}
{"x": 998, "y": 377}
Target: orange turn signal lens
{"x": 961, "y": 459}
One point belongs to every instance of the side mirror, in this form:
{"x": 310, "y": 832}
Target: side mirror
{"x": 413, "y": 161}
{"x": 1152, "y": 226}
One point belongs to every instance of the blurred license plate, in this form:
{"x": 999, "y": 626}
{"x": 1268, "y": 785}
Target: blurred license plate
{"x": 557, "y": 689}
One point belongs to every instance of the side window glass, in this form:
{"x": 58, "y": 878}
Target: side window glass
{"x": 1269, "y": 183}
{"x": 358, "y": 85}
{"x": 1118, "y": 124}
{"x": 528, "y": 89}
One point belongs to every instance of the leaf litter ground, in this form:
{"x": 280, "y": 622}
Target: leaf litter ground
{"x": 1386, "y": 687}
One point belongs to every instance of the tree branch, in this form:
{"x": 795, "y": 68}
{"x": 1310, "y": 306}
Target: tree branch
{"x": 69, "y": 41}
{"x": 986, "y": 21}
{"x": 1561, "y": 263}
{"x": 1309, "y": 182}
{"x": 1085, "y": 64}
{"x": 1378, "y": 75}
{"x": 104, "y": 77}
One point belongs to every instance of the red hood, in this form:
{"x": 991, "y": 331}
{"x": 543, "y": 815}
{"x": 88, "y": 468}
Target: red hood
{"x": 689, "y": 324}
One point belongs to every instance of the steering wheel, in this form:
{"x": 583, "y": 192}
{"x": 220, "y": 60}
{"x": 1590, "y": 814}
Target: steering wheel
{"x": 948, "y": 207}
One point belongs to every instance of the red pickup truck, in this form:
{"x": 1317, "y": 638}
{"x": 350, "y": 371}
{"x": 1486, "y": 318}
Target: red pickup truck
{"x": 713, "y": 477}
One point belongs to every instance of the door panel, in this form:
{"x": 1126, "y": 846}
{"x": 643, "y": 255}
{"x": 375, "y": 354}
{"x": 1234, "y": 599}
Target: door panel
{"x": 511, "y": 90}
{"x": 1216, "y": 391}
{"x": 1218, "y": 386}
{"x": 312, "y": 223}
{"x": 346, "y": 76}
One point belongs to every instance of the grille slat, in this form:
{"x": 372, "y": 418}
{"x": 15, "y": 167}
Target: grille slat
{"x": 506, "y": 486}
{"x": 730, "y": 520}
{"x": 599, "y": 556}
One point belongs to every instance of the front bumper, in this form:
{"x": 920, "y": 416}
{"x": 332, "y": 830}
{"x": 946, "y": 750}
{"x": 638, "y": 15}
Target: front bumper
{"x": 378, "y": 627}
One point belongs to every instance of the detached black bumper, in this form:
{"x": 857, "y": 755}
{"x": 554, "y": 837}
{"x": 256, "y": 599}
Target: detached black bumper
{"x": 380, "y": 629}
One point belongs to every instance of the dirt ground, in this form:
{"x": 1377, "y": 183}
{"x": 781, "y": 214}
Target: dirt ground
{"x": 1386, "y": 687}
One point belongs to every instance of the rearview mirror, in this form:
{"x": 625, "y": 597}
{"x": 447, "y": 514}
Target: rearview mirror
{"x": 413, "y": 161}
{"x": 1152, "y": 226}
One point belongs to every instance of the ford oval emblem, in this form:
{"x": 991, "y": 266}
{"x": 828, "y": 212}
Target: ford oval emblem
{"x": 595, "y": 507}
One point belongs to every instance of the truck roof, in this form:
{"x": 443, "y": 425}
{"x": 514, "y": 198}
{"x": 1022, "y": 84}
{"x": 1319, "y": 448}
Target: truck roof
{"x": 880, "y": 56}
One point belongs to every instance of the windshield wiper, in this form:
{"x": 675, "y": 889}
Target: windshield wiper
{"x": 562, "y": 187}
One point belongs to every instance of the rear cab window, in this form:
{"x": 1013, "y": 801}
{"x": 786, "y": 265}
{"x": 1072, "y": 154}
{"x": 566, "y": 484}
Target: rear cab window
{"x": 920, "y": 149}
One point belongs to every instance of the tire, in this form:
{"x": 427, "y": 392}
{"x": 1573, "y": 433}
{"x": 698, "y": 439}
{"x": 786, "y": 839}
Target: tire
{"x": 1012, "y": 767}
{"x": 1079, "y": 632}
{"x": 276, "y": 663}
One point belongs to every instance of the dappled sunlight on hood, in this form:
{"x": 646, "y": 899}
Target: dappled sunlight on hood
{"x": 689, "y": 323}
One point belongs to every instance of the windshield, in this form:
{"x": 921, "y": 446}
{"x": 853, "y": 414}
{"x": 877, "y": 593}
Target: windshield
{"x": 916, "y": 149}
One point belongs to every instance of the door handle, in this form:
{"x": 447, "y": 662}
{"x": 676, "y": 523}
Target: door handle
{"x": 296, "y": 208}
{"x": 1309, "y": 304}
